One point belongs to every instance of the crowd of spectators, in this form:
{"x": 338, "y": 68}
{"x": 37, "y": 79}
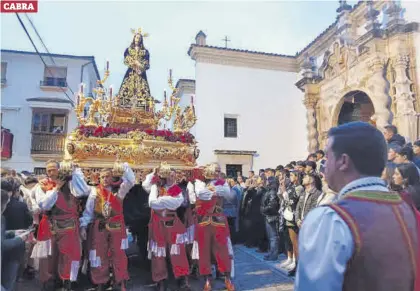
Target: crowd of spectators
{"x": 273, "y": 204}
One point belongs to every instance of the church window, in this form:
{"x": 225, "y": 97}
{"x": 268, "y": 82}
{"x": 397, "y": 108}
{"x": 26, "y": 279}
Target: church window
{"x": 231, "y": 127}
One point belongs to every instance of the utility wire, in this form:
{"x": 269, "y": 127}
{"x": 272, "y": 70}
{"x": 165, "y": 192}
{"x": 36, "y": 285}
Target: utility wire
{"x": 45, "y": 47}
{"x": 39, "y": 54}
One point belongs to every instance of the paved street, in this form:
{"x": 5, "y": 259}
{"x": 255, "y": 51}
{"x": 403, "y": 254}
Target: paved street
{"x": 251, "y": 273}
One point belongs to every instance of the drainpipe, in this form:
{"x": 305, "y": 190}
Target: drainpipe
{"x": 82, "y": 70}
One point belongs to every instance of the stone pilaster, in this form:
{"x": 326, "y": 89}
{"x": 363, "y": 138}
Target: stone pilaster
{"x": 310, "y": 102}
{"x": 309, "y": 84}
{"x": 404, "y": 99}
{"x": 379, "y": 87}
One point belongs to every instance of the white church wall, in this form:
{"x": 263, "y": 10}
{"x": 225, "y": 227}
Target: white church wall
{"x": 267, "y": 104}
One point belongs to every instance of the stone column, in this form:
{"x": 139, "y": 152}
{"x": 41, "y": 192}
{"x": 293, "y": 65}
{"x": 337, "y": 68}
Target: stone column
{"x": 309, "y": 85}
{"x": 379, "y": 88}
{"x": 404, "y": 99}
{"x": 310, "y": 102}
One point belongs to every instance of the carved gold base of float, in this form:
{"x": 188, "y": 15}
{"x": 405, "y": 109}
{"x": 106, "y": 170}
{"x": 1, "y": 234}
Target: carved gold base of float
{"x": 140, "y": 150}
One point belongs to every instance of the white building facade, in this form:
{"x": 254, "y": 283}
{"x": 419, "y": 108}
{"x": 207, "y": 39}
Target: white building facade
{"x": 257, "y": 110}
{"x": 250, "y": 113}
{"x": 34, "y": 104}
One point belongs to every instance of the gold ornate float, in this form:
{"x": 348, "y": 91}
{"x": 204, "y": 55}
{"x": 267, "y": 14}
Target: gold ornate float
{"x": 128, "y": 126}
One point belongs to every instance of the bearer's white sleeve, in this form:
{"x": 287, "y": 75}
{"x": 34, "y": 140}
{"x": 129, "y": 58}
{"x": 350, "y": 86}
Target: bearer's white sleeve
{"x": 45, "y": 200}
{"x": 164, "y": 202}
{"x": 191, "y": 193}
{"x": 78, "y": 186}
{"x": 202, "y": 192}
{"x": 147, "y": 183}
{"x": 325, "y": 246}
{"x": 88, "y": 213}
{"x": 224, "y": 190}
{"x": 129, "y": 179}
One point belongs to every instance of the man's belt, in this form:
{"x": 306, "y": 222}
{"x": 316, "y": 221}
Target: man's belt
{"x": 62, "y": 225}
{"x": 217, "y": 219}
{"x": 165, "y": 213}
{"x": 109, "y": 225}
{"x": 167, "y": 217}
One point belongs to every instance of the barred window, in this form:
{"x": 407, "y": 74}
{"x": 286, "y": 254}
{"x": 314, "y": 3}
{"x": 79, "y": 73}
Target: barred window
{"x": 231, "y": 127}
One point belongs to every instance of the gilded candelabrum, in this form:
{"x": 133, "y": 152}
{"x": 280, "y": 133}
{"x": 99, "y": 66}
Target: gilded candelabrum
{"x": 169, "y": 108}
{"x": 99, "y": 107}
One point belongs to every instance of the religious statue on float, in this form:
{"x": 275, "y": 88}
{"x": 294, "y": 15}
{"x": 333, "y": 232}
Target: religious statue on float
{"x": 135, "y": 91}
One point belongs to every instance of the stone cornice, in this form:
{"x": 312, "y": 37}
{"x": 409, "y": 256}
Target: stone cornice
{"x": 185, "y": 86}
{"x": 326, "y": 38}
{"x": 235, "y": 152}
{"x": 242, "y": 58}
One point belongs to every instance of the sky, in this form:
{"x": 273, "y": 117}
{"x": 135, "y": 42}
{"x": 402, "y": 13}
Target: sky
{"x": 102, "y": 29}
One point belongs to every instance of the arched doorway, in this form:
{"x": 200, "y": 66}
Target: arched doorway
{"x": 357, "y": 106}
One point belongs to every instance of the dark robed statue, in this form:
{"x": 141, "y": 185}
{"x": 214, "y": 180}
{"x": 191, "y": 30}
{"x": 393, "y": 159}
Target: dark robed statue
{"x": 135, "y": 91}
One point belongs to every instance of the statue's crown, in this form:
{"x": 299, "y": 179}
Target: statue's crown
{"x": 139, "y": 31}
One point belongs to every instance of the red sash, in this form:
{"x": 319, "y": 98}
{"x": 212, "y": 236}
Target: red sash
{"x": 115, "y": 203}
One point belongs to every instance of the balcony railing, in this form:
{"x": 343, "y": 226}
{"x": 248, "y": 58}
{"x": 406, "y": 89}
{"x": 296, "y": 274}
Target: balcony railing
{"x": 47, "y": 143}
{"x": 54, "y": 82}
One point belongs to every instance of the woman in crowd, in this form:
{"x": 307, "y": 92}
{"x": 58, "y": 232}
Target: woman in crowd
{"x": 230, "y": 208}
{"x": 388, "y": 176}
{"x": 327, "y": 196}
{"x": 254, "y": 221}
{"x": 407, "y": 178}
{"x": 291, "y": 191}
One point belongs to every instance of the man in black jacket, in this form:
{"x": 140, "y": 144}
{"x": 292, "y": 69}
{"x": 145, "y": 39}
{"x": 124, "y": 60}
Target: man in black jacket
{"x": 270, "y": 209}
{"x": 392, "y": 137}
{"x": 12, "y": 249}
{"x": 16, "y": 212}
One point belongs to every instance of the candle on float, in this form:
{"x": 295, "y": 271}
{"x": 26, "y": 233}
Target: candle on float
{"x": 164, "y": 95}
{"x": 110, "y": 92}
{"x": 81, "y": 88}
{"x": 107, "y": 65}
{"x": 77, "y": 99}
{"x": 192, "y": 99}
{"x": 170, "y": 74}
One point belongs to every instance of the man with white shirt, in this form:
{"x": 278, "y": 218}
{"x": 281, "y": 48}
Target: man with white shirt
{"x": 58, "y": 243}
{"x": 367, "y": 240}
{"x": 166, "y": 231}
{"x": 212, "y": 237}
{"x": 104, "y": 209}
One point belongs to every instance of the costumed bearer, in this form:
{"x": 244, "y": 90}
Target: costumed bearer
{"x": 58, "y": 245}
{"x": 167, "y": 234}
{"x": 104, "y": 209}
{"x": 212, "y": 237}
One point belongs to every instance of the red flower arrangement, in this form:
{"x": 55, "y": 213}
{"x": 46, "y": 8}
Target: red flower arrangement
{"x": 100, "y": 131}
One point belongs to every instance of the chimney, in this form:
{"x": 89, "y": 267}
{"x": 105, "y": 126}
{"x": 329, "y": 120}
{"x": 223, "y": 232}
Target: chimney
{"x": 200, "y": 38}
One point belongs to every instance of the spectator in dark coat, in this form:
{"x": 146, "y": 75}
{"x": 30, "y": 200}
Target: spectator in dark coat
{"x": 392, "y": 137}
{"x": 269, "y": 208}
{"x": 12, "y": 249}
{"x": 313, "y": 186}
{"x": 16, "y": 213}
{"x": 416, "y": 150}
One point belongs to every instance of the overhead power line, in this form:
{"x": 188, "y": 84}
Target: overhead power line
{"x": 43, "y": 44}
{"x": 39, "y": 54}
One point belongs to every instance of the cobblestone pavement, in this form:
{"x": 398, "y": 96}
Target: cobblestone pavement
{"x": 251, "y": 273}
